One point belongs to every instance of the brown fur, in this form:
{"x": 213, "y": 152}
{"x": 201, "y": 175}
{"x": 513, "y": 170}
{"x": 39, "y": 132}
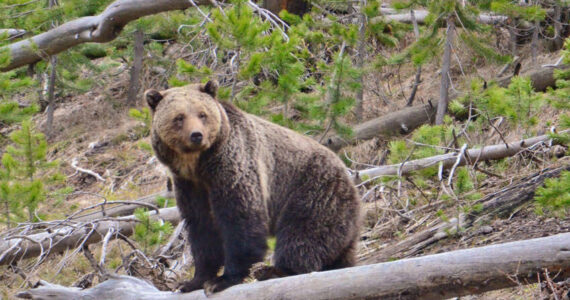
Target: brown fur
{"x": 249, "y": 179}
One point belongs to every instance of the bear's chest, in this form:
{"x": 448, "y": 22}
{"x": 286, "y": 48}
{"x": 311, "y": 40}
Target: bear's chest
{"x": 185, "y": 165}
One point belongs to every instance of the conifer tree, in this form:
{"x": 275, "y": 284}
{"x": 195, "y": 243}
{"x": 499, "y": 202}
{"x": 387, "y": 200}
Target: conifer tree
{"x": 25, "y": 172}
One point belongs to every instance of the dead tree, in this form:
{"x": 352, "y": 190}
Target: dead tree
{"x": 136, "y": 68}
{"x": 402, "y": 121}
{"x": 439, "y": 276}
{"x": 445, "y": 75}
{"x": 62, "y": 235}
{"x": 447, "y": 160}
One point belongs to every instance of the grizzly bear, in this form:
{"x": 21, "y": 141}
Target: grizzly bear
{"x": 239, "y": 179}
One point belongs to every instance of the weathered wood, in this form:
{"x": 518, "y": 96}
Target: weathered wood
{"x": 13, "y": 33}
{"x": 481, "y": 154}
{"x": 99, "y": 29}
{"x": 390, "y": 14}
{"x": 541, "y": 79}
{"x": 438, "y": 276}
{"x": 402, "y": 121}
{"x": 72, "y": 235}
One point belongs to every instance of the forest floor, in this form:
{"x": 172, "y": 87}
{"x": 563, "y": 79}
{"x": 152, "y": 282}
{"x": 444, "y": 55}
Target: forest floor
{"x": 94, "y": 130}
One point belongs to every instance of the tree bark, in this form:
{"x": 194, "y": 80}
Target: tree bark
{"x": 558, "y": 38}
{"x": 65, "y": 237}
{"x": 402, "y": 121}
{"x": 136, "y": 69}
{"x": 540, "y": 79}
{"x": 391, "y": 14}
{"x": 13, "y": 33}
{"x": 445, "y": 76}
{"x": 359, "y": 110}
{"x": 448, "y": 160}
{"x": 51, "y": 95}
{"x": 99, "y": 29}
{"x": 513, "y": 37}
{"x": 534, "y": 43}
{"x": 439, "y": 276}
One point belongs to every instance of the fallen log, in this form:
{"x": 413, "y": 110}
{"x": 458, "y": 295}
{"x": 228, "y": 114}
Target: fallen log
{"x": 401, "y": 121}
{"x": 439, "y": 276}
{"x": 390, "y": 14}
{"x": 448, "y": 160}
{"x": 541, "y": 79}
{"x": 12, "y": 33}
{"x": 502, "y": 202}
{"x": 71, "y": 235}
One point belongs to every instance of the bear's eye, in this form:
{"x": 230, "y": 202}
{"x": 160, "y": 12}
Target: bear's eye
{"x": 203, "y": 116}
{"x": 179, "y": 118}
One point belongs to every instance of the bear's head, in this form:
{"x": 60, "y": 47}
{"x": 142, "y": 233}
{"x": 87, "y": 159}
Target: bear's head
{"x": 186, "y": 119}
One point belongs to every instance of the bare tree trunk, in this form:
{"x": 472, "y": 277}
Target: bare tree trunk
{"x": 473, "y": 155}
{"x": 534, "y": 43}
{"x": 7, "y": 207}
{"x": 359, "y": 110}
{"x": 51, "y": 83}
{"x": 136, "y": 69}
{"x": 51, "y": 96}
{"x": 558, "y": 38}
{"x": 445, "y": 76}
{"x": 540, "y": 78}
{"x": 402, "y": 121}
{"x": 419, "y": 70}
{"x": 389, "y": 14}
{"x": 513, "y": 36}
{"x": 438, "y": 276}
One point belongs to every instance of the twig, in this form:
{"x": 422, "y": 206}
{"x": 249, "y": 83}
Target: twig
{"x": 86, "y": 171}
{"x": 549, "y": 281}
{"x": 106, "y": 239}
{"x": 461, "y": 154}
{"x": 200, "y": 11}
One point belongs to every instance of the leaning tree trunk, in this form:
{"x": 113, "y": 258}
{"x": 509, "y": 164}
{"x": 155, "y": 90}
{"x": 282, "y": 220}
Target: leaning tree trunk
{"x": 401, "y": 121}
{"x": 445, "y": 76}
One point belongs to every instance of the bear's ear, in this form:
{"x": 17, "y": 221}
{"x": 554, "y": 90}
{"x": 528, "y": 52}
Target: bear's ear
{"x": 210, "y": 88}
{"x": 152, "y": 97}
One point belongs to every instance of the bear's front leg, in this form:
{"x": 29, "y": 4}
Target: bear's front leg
{"x": 242, "y": 221}
{"x": 203, "y": 235}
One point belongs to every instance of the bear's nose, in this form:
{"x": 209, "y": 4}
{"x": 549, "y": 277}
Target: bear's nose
{"x": 196, "y": 137}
